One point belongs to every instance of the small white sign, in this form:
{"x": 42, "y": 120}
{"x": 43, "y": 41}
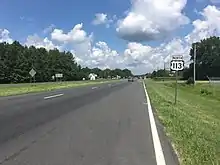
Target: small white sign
{"x": 177, "y": 65}
{"x": 32, "y": 72}
{"x": 58, "y": 75}
{"x": 177, "y": 57}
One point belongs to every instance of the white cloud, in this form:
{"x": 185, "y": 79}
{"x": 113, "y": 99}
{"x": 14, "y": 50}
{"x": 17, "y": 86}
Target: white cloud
{"x": 100, "y": 18}
{"x": 98, "y": 55}
{"x": 35, "y": 40}
{"x": 143, "y": 58}
{"x": 4, "y": 36}
{"x": 77, "y": 41}
{"x": 49, "y": 29}
{"x": 76, "y": 35}
{"x": 152, "y": 19}
{"x": 138, "y": 57}
{"x": 205, "y": 27}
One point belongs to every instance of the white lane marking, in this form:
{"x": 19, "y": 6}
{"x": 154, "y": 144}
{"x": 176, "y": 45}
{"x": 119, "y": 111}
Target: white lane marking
{"x": 94, "y": 87}
{"x": 156, "y": 140}
{"x": 49, "y": 97}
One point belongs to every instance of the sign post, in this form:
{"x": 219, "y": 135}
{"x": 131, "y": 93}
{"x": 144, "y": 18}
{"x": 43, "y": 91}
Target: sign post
{"x": 176, "y": 87}
{"x": 176, "y": 64}
{"x": 32, "y": 73}
{"x": 58, "y": 75}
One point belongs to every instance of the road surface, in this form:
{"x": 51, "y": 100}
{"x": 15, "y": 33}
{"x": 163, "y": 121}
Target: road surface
{"x": 105, "y": 124}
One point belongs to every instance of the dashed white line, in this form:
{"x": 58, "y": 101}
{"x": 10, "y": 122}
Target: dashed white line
{"x": 156, "y": 140}
{"x": 53, "y": 96}
{"x": 94, "y": 87}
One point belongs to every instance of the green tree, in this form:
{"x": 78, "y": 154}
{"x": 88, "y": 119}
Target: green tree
{"x": 207, "y": 58}
{"x": 16, "y": 61}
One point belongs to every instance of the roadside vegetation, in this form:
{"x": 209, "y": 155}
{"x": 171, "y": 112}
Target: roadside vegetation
{"x": 193, "y": 125}
{"x": 16, "y": 89}
{"x": 17, "y": 60}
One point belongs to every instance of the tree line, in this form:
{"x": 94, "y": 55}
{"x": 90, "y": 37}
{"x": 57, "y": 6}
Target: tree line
{"x": 17, "y": 60}
{"x": 207, "y": 61}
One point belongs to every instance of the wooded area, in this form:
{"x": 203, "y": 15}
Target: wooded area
{"x": 17, "y": 60}
{"x": 207, "y": 61}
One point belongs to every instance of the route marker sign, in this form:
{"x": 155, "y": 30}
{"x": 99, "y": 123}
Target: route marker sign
{"x": 176, "y": 64}
{"x": 32, "y": 72}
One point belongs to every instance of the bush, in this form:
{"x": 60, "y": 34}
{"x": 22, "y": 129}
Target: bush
{"x": 204, "y": 91}
{"x": 190, "y": 81}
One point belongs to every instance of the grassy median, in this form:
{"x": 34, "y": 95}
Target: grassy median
{"x": 16, "y": 89}
{"x": 193, "y": 125}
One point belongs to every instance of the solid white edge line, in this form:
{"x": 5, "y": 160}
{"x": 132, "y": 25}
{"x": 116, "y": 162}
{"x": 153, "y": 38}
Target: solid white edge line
{"x": 49, "y": 97}
{"x": 160, "y": 160}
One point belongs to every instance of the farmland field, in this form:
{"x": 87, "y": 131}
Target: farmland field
{"x": 193, "y": 125}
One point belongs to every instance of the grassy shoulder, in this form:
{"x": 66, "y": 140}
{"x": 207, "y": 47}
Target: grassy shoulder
{"x": 193, "y": 124}
{"x": 16, "y": 89}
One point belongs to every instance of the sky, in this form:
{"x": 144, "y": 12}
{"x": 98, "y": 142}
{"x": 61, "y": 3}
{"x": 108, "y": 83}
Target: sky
{"x": 141, "y": 35}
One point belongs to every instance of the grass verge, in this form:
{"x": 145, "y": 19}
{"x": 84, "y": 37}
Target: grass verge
{"x": 193, "y": 124}
{"x": 16, "y": 89}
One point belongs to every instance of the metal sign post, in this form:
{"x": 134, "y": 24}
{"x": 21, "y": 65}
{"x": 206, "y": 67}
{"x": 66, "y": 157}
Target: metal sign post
{"x": 176, "y": 87}
{"x": 176, "y": 64}
{"x": 32, "y": 73}
{"x": 58, "y": 75}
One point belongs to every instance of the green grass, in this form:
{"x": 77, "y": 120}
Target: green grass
{"x": 193, "y": 125}
{"x": 16, "y": 89}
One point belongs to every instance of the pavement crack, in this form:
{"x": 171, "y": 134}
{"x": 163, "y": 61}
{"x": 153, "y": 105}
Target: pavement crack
{"x": 18, "y": 152}
{"x": 14, "y": 155}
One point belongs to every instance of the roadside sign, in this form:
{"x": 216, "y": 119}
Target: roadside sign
{"x": 177, "y": 57}
{"x": 32, "y": 72}
{"x": 58, "y": 75}
{"x": 176, "y": 65}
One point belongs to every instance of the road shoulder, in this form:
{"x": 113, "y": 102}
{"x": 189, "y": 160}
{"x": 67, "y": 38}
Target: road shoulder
{"x": 169, "y": 153}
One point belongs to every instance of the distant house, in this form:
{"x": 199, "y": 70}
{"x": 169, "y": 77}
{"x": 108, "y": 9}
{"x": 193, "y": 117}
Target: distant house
{"x": 118, "y": 77}
{"x": 92, "y": 76}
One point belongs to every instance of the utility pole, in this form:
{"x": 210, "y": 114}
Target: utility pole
{"x": 194, "y": 68}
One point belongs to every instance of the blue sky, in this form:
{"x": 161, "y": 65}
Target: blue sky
{"x": 25, "y": 18}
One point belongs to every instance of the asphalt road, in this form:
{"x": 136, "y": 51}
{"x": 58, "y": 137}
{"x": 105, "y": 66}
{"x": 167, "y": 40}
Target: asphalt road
{"x": 105, "y": 124}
